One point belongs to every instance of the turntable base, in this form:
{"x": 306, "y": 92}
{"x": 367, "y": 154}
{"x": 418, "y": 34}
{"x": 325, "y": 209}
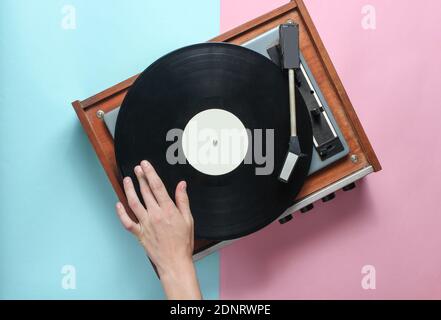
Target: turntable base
{"x": 355, "y": 161}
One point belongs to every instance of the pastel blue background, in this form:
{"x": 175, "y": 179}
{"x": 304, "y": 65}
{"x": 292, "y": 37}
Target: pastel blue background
{"x": 56, "y": 204}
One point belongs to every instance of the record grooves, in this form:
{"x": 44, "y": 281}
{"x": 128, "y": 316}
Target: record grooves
{"x": 206, "y": 76}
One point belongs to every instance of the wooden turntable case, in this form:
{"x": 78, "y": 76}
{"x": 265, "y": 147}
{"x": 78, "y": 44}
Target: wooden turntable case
{"x": 90, "y": 111}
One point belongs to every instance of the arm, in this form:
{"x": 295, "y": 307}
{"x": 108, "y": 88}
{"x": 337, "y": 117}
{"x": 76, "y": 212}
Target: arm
{"x": 165, "y": 230}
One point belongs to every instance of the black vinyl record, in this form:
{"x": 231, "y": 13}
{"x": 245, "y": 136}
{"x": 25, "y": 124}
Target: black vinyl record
{"x": 215, "y": 75}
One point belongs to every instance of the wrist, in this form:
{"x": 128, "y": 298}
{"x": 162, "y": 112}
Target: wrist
{"x": 176, "y": 268}
{"x": 180, "y": 282}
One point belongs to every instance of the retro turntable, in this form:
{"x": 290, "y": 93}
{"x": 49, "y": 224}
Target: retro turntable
{"x": 210, "y": 85}
{"x": 242, "y": 87}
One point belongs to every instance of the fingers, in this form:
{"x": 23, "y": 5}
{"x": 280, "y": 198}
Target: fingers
{"x": 133, "y": 200}
{"x": 147, "y": 195}
{"x": 128, "y": 223}
{"x": 181, "y": 197}
{"x": 155, "y": 184}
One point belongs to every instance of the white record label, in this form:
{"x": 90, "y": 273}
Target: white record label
{"x": 215, "y": 142}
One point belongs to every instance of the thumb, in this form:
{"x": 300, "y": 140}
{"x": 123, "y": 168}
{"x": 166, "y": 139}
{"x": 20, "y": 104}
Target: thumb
{"x": 182, "y": 201}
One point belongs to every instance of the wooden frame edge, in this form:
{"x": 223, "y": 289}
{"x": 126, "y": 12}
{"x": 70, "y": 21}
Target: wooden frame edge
{"x": 347, "y": 104}
{"x": 88, "y": 128}
{"x": 255, "y": 23}
{"x": 109, "y": 92}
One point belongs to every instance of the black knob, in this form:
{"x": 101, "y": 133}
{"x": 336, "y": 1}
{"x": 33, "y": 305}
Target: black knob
{"x": 288, "y": 218}
{"x": 350, "y": 187}
{"x": 329, "y": 197}
{"x": 309, "y": 207}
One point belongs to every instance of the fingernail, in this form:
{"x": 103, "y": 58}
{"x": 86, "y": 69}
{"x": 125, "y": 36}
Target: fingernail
{"x": 126, "y": 180}
{"x": 144, "y": 163}
{"x": 138, "y": 169}
{"x": 119, "y": 205}
{"x": 184, "y": 185}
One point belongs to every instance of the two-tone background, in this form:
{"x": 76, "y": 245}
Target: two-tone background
{"x": 59, "y": 235}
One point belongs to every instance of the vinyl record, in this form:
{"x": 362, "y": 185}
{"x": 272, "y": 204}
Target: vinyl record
{"x": 232, "y": 85}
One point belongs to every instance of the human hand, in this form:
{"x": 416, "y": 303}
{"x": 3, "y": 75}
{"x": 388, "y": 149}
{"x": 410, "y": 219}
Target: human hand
{"x": 165, "y": 230}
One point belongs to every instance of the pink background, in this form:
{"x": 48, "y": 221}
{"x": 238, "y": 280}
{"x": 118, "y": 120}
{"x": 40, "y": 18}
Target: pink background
{"x": 392, "y": 221}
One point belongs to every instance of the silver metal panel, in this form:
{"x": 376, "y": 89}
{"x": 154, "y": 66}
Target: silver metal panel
{"x": 267, "y": 40}
{"x": 110, "y": 120}
{"x": 208, "y": 251}
{"x": 328, "y": 190}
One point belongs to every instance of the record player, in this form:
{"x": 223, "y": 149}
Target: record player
{"x": 250, "y": 57}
